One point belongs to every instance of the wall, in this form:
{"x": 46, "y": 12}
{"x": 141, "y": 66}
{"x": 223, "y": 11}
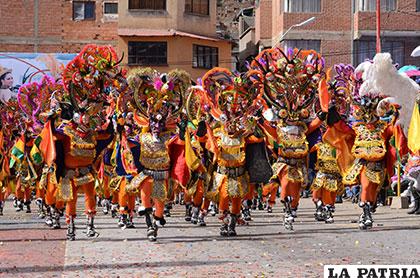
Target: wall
{"x": 173, "y": 18}
{"x": 180, "y": 52}
{"x": 263, "y": 21}
{"x": 47, "y": 26}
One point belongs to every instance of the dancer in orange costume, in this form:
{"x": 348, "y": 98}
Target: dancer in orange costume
{"x": 156, "y": 103}
{"x": 333, "y": 152}
{"x": 290, "y": 82}
{"x": 234, "y": 102}
{"x": 86, "y": 80}
{"x": 379, "y": 138}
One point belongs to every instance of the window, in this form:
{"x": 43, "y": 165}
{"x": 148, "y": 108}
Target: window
{"x": 418, "y": 6}
{"x": 367, "y": 49}
{"x": 147, "y": 53}
{"x": 370, "y": 5}
{"x": 303, "y": 44}
{"x": 302, "y": 6}
{"x": 83, "y": 10}
{"x": 205, "y": 56}
{"x": 111, "y": 8}
{"x": 197, "y": 7}
{"x": 147, "y": 4}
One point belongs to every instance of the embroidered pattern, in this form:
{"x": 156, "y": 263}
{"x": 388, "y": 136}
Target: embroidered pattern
{"x": 292, "y": 141}
{"x": 154, "y": 155}
{"x": 369, "y": 143}
{"x": 81, "y": 147}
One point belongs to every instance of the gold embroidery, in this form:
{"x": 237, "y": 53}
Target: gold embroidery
{"x": 326, "y": 159}
{"x": 292, "y": 141}
{"x": 369, "y": 143}
{"x": 232, "y": 151}
{"x": 81, "y": 146}
{"x": 65, "y": 190}
{"x": 159, "y": 190}
{"x": 154, "y": 155}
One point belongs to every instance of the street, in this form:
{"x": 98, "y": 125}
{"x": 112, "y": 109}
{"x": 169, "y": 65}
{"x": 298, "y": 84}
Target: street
{"x": 28, "y": 248}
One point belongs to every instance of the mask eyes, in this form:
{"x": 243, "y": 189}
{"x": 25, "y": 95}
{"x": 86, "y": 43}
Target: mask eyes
{"x": 304, "y": 114}
{"x": 283, "y": 113}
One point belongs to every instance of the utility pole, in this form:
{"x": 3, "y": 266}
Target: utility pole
{"x": 378, "y": 26}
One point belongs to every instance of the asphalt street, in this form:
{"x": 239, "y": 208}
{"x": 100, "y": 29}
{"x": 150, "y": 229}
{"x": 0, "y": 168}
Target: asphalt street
{"x": 28, "y": 248}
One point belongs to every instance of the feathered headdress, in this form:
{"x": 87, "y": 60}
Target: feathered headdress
{"x": 156, "y": 94}
{"x": 337, "y": 90}
{"x": 289, "y": 80}
{"x": 34, "y": 98}
{"x": 232, "y": 98}
{"x": 89, "y": 75}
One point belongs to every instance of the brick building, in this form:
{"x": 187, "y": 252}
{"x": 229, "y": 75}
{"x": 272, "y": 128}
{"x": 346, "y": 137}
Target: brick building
{"x": 56, "y": 26}
{"x": 171, "y": 34}
{"x": 343, "y": 31}
{"x": 164, "y": 34}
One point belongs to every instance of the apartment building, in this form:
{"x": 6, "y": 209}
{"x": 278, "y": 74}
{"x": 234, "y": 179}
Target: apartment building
{"x": 343, "y": 31}
{"x": 56, "y": 26}
{"x": 172, "y": 34}
{"x": 164, "y": 34}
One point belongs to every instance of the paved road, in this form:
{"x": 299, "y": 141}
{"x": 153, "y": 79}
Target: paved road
{"x": 263, "y": 249}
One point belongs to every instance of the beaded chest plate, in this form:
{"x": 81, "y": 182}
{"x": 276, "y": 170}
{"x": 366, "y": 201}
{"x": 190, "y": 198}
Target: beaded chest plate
{"x": 154, "y": 154}
{"x": 81, "y": 146}
{"x": 369, "y": 143}
{"x": 292, "y": 141}
{"x": 232, "y": 150}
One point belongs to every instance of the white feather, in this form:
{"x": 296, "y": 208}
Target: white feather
{"x": 390, "y": 83}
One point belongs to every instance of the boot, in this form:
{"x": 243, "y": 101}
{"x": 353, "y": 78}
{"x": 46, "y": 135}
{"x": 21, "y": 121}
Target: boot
{"x": 181, "y": 199}
{"x": 19, "y": 205}
{"x": 260, "y": 204}
{"x": 224, "y": 229}
{"x": 232, "y": 225}
{"x": 416, "y": 196}
{"x": 320, "y": 212}
{"x": 90, "y": 228}
{"x": 1, "y": 207}
{"x": 15, "y": 202}
{"x": 41, "y": 213}
{"x": 365, "y": 220}
{"x": 130, "y": 223}
{"x": 201, "y": 220}
{"x": 106, "y": 205}
{"x": 288, "y": 218}
{"x": 254, "y": 204}
{"x": 71, "y": 229}
{"x": 194, "y": 215}
{"x": 28, "y": 206}
{"x": 48, "y": 217}
{"x": 269, "y": 209}
{"x": 55, "y": 213}
{"x": 225, "y": 222}
{"x": 188, "y": 212}
{"x": 114, "y": 210}
{"x": 151, "y": 227}
{"x": 167, "y": 210}
{"x": 246, "y": 214}
{"x": 213, "y": 210}
{"x": 329, "y": 218}
{"x": 122, "y": 222}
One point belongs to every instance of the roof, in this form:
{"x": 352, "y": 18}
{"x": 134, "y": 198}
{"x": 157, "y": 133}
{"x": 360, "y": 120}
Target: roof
{"x": 138, "y": 32}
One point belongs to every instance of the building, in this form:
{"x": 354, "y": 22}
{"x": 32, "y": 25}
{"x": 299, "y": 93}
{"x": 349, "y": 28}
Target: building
{"x": 56, "y": 26}
{"x": 164, "y": 34}
{"x": 172, "y": 34}
{"x": 343, "y": 31}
